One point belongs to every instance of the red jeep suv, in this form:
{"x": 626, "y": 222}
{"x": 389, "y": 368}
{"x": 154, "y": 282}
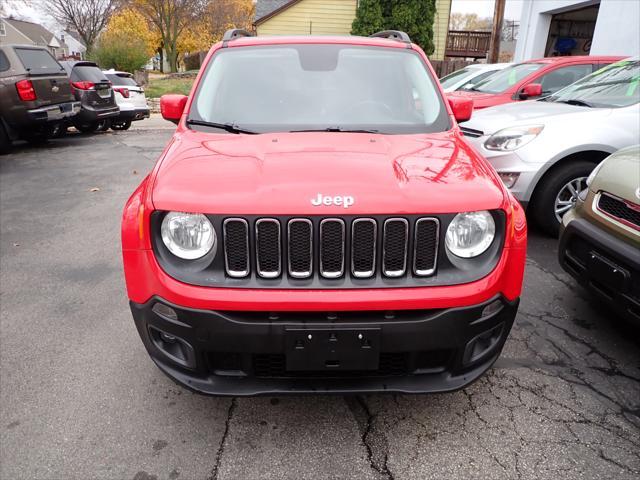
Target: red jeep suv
{"x": 318, "y": 223}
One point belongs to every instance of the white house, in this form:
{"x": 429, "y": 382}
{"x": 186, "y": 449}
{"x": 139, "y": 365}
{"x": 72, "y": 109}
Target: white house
{"x": 578, "y": 27}
{"x": 75, "y": 48}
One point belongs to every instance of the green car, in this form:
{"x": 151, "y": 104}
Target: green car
{"x": 600, "y": 236}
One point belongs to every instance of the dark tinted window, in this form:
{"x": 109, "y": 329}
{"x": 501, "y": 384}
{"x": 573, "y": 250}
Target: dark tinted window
{"x": 4, "y": 62}
{"x": 38, "y": 61}
{"x": 553, "y": 81}
{"x": 87, "y": 73}
{"x": 121, "y": 80}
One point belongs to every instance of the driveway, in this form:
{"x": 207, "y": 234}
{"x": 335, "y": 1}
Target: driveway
{"x": 80, "y": 398}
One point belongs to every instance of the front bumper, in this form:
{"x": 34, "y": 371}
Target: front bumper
{"x": 605, "y": 265}
{"x": 257, "y": 353}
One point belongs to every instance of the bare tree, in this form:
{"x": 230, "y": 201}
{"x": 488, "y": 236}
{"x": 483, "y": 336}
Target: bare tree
{"x": 469, "y": 21}
{"x": 171, "y": 17}
{"x": 87, "y": 17}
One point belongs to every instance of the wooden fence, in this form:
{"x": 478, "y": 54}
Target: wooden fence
{"x": 468, "y": 43}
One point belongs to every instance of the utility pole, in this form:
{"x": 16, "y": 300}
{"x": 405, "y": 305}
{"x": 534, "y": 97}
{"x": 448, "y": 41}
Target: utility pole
{"x": 498, "y": 16}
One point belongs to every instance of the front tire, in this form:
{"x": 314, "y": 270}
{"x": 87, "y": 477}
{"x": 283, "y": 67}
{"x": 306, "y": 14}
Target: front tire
{"x": 557, "y": 193}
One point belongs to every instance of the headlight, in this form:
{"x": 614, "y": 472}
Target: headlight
{"x": 512, "y": 138}
{"x": 509, "y": 178}
{"x": 470, "y": 234}
{"x": 188, "y": 235}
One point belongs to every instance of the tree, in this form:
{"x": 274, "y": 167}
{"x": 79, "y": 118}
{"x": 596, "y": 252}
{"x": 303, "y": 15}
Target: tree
{"x": 221, "y": 15}
{"x": 469, "y": 21}
{"x": 122, "y": 53}
{"x": 130, "y": 23}
{"x": 415, "y": 17}
{"x": 368, "y": 19}
{"x": 87, "y": 17}
{"x": 171, "y": 18}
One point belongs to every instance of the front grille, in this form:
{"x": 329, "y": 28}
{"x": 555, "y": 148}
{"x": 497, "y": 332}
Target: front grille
{"x": 470, "y": 132}
{"x": 274, "y": 365}
{"x": 331, "y": 248}
{"x": 619, "y": 209}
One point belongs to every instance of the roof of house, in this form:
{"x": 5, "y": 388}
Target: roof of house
{"x": 267, "y": 8}
{"x": 37, "y": 33}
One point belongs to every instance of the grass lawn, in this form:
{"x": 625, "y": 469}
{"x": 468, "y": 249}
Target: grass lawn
{"x": 159, "y": 86}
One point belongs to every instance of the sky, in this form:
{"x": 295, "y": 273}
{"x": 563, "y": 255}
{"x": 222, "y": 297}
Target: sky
{"x": 484, "y": 8}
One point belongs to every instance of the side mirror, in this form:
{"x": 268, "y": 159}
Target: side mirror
{"x": 531, "y": 90}
{"x": 462, "y": 108}
{"x": 172, "y": 106}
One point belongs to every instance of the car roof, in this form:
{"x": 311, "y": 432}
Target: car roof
{"x": 316, "y": 39}
{"x": 78, "y": 63}
{"x": 576, "y": 58}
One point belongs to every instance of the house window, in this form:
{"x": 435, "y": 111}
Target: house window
{"x": 3, "y": 31}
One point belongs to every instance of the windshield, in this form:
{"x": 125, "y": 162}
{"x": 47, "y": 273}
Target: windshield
{"x": 506, "y": 78}
{"x": 319, "y": 87}
{"x": 609, "y": 87}
{"x": 459, "y": 75}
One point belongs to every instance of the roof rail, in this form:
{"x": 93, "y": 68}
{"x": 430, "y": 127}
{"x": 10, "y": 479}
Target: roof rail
{"x": 234, "y": 33}
{"x": 392, "y": 35}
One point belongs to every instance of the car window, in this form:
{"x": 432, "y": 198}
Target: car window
{"x": 37, "y": 61}
{"x": 561, "y": 77}
{"x": 617, "y": 85}
{"x": 451, "y": 79}
{"x": 319, "y": 87}
{"x": 87, "y": 73}
{"x": 477, "y": 79}
{"x": 4, "y": 62}
{"x": 506, "y": 78}
{"x": 121, "y": 80}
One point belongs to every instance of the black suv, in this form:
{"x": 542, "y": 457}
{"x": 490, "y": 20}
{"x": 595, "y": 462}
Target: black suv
{"x": 35, "y": 95}
{"x": 93, "y": 89}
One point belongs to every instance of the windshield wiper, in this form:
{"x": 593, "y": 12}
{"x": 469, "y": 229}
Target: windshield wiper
{"x": 227, "y": 127}
{"x": 579, "y": 103}
{"x": 337, "y": 129}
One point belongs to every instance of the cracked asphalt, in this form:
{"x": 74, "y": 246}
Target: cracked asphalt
{"x": 80, "y": 399}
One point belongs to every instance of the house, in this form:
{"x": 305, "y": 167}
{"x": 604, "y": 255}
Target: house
{"x": 72, "y": 47}
{"x": 28, "y": 33}
{"x": 578, "y": 27}
{"x": 331, "y": 17}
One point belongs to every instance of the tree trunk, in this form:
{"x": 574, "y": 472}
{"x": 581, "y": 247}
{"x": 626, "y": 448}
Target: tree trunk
{"x": 172, "y": 57}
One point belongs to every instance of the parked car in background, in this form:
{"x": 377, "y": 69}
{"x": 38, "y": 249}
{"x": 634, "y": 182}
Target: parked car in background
{"x": 318, "y": 224}
{"x": 35, "y": 95}
{"x": 467, "y": 77}
{"x": 129, "y": 97}
{"x": 535, "y": 78}
{"x": 92, "y": 88}
{"x": 600, "y": 238}
{"x": 544, "y": 150}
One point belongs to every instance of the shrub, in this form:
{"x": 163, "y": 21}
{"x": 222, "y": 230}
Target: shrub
{"x": 126, "y": 54}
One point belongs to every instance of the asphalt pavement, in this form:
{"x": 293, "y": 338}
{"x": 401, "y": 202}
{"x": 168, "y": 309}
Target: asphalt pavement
{"x": 80, "y": 399}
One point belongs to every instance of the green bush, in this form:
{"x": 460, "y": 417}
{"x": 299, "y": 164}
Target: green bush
{"x": 126, "y": 54}
{"x": 412, "y": 16}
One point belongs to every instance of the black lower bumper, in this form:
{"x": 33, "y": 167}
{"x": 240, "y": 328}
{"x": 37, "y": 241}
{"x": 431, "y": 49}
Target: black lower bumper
{"x": 604, "y": 264}
{"x": 257, "y": 353}
{"x": 96, "y": 114}
{"x": 133, "y": 115}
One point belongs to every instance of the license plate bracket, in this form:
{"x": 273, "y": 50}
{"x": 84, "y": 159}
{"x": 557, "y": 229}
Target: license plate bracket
{"x": 332, "y": 349}
{"x": 607, "y": 272}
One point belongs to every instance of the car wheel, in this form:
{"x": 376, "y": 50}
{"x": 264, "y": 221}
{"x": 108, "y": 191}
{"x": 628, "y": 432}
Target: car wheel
{"x": 121, "y": 125}
{"x": 5, "y": 141}
{"x": 558, "y": 193}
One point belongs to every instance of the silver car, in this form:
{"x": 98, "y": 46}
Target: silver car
{"x": 544, "y": 150}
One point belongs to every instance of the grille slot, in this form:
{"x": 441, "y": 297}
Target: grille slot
{"x": 425, "y": 246}
{"x": 300, "y": 247}
{"x": 618, "y": 209}
{"x": 470, "y": 132}
{"x": 236, "y": 247}
{"x": 332, "y": 248}
{"x": 363, "y": 247}
{"x": 268, "y": 248}
{"x": 394, "y": 256}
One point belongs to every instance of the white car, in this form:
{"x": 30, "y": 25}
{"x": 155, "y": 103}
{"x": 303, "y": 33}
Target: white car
{"x": 470, "y": 75}
{"x": 129, "y": 97}
{"x": 545, "y": 149}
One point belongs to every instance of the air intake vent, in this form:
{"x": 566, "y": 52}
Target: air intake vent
{"x": 394, "y": 256}
{"x": 425, "y": 246}
{"x": 300, "y": 243}
{"x": 363, "y": 247}
{"x": 268, "y": 248}
{"x": 236, "y": 247}
{"x": 332, "y": 248}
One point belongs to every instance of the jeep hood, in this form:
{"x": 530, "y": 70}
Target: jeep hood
{"x": 536, "y": 112}
{"x": 279, "y": 174}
